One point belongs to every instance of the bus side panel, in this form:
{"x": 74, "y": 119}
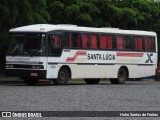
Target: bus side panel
{"x": 52, "y": 71}
{"x": 143, "y": 70}
{"x": 85, "y": 71}
{"x": 73, "y": 68}
{"x": 105, "y": 71}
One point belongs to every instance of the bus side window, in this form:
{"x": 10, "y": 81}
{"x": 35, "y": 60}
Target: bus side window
{"x": 84, "y": 40}
{"x": 109, "y": 41}
{"x": 106, "y": 41}
{"x": 76, "y": 40}
{"x": 93, "y": 41}
{"x": 57, "y": 41}
{"x": 128, "y": 43}
{"x": 55, "y": 44}
{"x": 68, "y": 40}
{"x": 138, "y": 43}
{"x": 120, "y": 42}
{"x": 153, "y": 48}
{"x": 149, "y": 44}
{"x": 103, "y": 41}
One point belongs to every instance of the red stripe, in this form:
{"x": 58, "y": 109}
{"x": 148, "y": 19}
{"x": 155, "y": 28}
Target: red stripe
{"x": 124, "y": 54}
{"x": 78, "y": 53}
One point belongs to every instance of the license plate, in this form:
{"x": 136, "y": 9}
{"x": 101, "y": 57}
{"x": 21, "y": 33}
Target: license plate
{"x": 34, "y": 74}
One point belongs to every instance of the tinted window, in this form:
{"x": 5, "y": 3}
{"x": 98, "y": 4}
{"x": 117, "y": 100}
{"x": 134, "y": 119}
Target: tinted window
{"x": 149, "y": 43}
{"x": 128, "y": 42}
{"x": 54, "y": 45}
{"x": 76, "y": 40}
{"x": 120, "y": 42}
{"x": 67, "y": 40}
{"x": 93, "y": 41}
{"x": 138, "y": 43}
{"x": 85, "y": 40}
{"x": 106, "y": 41}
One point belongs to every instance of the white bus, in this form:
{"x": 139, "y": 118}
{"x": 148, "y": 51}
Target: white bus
{"x": 63, "y": 52}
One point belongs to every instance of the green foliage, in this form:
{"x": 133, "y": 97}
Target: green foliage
{"x": 72, "y": 12}
{"x": 56, "y": 11}
{"x": 39, "y": 13}
{"x": 16, "y": 13}
{"x": 84, "y": 19}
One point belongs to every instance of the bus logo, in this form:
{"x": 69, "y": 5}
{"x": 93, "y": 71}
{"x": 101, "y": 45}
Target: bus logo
{"x": 78, "y": 53}
{"x": 6, "y": 114}
{"x": 149, "y": 58}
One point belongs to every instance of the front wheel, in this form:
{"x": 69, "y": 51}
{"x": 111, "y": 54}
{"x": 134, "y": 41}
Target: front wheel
{"x": 121, "y": 77}
{"x": 63, "y": 77}
{"x": 30, "y": 81}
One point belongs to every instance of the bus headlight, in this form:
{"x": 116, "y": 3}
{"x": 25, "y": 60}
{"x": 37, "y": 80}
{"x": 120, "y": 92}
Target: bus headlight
{"x": 9, "y": 66}
{"x": 33, "y": 67}
{"x": 37, "y": 67}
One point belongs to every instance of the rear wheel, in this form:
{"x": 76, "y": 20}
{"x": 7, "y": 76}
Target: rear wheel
{"x": 121, "y": 77}
{"x": 63, "y": 77}
{"x": 30, "y": 81}
{"x": 91, "y": 81}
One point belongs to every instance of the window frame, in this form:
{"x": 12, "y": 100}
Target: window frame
{"x": 149, "y": 44}
{"x": 107, "y": 41}
{"x": 76, "y": 40}
{"x": 130, "y": 41}
{"x": 123, "y": 42}
{"x": 97, "y": 41}
{"x": 88, "y": 40}
{"x": 56, "y": 49}
{"x": 114, "y": 41}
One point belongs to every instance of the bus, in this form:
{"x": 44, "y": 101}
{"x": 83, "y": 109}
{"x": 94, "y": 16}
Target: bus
{"x": 63, "y": 52}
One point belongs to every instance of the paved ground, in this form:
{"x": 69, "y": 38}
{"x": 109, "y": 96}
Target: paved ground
{"x": 16, "y": 80}
{"x": 77, "y": 96}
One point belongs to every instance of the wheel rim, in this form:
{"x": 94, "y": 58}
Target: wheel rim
{"x": 62, "y": 76}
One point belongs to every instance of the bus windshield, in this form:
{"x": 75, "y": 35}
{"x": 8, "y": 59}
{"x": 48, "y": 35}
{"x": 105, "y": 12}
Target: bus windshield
{"x": 30, "y": 44}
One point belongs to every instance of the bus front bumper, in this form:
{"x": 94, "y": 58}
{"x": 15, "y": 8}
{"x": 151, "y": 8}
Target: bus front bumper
{"x": 41, "y": 74}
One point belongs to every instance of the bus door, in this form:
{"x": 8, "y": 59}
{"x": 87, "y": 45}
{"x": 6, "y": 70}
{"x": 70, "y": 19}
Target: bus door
{"x": 54, "y": 53}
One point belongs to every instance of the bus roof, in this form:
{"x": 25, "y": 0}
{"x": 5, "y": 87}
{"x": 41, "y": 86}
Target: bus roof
{"x": 49, "y": 27}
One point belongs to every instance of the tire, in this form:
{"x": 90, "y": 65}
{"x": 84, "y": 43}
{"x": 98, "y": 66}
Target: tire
{"x": 30, "y": 81}
{"x": 63, "y": 77}
{"x": 91, "y": 81}
{"x": 121, "y": 77}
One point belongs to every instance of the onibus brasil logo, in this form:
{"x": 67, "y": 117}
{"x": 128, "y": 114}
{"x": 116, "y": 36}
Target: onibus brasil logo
{"x": 21, "y": 114}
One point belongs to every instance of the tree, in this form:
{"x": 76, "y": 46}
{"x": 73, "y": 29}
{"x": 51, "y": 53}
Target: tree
{"x": 39, "y": 13}
{"x": 16, "y": 13}
{"x": 124, "y": 14}
{"x": 56, "y": 11}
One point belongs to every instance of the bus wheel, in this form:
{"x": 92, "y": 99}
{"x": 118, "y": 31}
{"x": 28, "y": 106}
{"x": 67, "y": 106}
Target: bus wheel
{"x": 91, "y": 81}
{"x": 63, "y": 77}
{"x": 121, "y": 77}
{"x": 30, "y": 81}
